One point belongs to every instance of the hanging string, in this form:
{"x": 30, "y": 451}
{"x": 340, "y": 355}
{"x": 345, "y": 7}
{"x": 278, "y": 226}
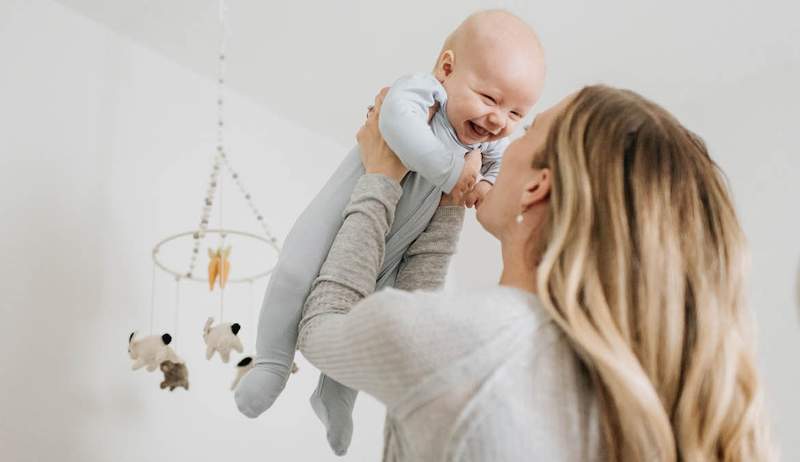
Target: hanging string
{"x": 152, "y": 297}
{"x": 252, "y": 312}
{"x": 177, "y": 311}
{"x": 221, "y": 304}
{"x": 222, "y": 252}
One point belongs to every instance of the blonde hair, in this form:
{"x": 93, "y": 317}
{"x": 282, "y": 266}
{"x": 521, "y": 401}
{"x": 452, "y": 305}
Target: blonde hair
{"x": 644, "y": 271}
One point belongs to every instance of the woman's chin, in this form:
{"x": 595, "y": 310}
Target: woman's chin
{"x": 481, "y": 214}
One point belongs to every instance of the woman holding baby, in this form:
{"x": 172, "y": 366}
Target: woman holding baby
{"x": 618, "y": 331}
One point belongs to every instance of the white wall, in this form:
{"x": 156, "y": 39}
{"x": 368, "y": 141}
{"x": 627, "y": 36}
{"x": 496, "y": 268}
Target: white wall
{"x": 106, "y": 147}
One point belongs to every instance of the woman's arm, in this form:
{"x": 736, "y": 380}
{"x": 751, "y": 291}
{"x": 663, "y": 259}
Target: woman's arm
{"x": 424, "y": 266}
{"x": 367, "y": 344}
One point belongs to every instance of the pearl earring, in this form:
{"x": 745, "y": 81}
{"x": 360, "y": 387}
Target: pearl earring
{"x": 519, "y": 219}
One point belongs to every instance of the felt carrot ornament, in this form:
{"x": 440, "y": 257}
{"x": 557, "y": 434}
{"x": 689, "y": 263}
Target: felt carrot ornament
{"x": 218, "y": 267}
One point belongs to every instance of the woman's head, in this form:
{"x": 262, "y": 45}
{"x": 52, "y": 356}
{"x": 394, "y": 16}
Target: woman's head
{"x": 640, "y": 260}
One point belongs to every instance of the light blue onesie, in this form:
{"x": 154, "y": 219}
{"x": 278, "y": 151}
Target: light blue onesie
{"x": 435, "y": 158}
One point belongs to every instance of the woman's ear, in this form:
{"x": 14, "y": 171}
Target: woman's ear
{"x": 445, "y": 65}
{"x": 537, "y": 190}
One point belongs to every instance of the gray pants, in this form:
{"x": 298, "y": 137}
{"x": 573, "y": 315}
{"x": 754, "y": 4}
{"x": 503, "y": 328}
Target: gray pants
{"x": 301, "y": 258}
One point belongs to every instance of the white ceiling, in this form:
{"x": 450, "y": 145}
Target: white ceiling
{"x": 320, "y": 62}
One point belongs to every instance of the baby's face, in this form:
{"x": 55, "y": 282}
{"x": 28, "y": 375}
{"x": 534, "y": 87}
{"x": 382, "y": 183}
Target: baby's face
{"x": 487, "y": 96}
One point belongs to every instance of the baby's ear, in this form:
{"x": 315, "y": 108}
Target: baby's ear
{"x": 445, "y": 65}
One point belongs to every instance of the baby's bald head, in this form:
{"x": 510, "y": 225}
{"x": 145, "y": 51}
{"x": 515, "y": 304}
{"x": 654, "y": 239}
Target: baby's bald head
{"x": 495, "y": 57}
{"x": 488, "y": 32}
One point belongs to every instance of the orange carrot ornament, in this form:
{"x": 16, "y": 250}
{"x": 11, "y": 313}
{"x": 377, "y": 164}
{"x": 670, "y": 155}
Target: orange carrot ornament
{"x": 218, "y": 267}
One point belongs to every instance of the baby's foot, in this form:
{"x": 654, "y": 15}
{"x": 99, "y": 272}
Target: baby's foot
{"x": 260, "y": 387}
{"x": 333, "y": 403}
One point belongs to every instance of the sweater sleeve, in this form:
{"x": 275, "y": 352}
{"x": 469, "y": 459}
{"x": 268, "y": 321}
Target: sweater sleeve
{"x": 425, "y": 263}
{"x": 404, "y": 125}
{"x": 363, "y": 340}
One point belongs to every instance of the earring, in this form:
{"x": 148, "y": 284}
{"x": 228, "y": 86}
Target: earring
{"x": 519, "y": 219}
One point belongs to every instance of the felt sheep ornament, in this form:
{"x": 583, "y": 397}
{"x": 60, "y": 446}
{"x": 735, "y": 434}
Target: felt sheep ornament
{"x": 242, "y": 367}
{"x": 175, "y": 375}
{"x": 245, "y": 365}
{"x": 222, "y": 339}
{"x": 151, "y": 351}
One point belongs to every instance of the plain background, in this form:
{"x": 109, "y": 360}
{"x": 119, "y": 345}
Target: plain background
{"x": 107, "y": 113}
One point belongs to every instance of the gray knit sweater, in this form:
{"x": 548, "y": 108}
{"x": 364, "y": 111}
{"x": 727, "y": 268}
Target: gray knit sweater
{"x": 472, "y": 376}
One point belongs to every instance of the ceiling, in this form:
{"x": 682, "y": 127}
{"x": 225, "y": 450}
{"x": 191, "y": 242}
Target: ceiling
{"x": 319, "y": 63}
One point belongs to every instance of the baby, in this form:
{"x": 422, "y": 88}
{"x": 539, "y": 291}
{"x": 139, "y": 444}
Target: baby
{"x": 449, "y": 129}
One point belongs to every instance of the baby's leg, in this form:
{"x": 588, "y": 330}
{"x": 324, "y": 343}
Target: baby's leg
{"x": 299, "y": 263}
{"x": 333, "y": 402}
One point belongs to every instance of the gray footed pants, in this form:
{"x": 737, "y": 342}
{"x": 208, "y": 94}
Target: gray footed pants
{"x": 301, "y": 258}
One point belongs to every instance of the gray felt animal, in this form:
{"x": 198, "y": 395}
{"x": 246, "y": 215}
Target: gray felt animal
{"x": 175, "y": 375}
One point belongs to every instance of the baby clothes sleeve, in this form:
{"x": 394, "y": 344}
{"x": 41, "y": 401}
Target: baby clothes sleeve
{"x": 404, "y": 126}
{"x": 492, "y": 156}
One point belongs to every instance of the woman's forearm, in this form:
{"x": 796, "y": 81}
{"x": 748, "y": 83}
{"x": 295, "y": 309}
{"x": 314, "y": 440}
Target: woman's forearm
{"x": 425, "y": 264}
{"x": 357, "y": 253}
{"x": 367, "y": 342}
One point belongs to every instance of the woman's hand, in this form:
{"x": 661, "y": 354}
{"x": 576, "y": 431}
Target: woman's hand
{"x": 453, "y": 199}
{"x": 375, "y": 153}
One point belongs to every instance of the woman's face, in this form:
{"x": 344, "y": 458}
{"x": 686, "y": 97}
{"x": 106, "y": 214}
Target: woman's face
{"x": 498, "y": 211}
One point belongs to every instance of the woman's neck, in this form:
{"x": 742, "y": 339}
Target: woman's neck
{"x": 518, "y": 272}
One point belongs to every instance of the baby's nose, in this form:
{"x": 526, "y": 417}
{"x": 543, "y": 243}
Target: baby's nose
{"x": 496, "y": 123}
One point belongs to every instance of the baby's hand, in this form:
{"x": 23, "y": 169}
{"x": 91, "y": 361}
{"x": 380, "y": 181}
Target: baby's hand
{"x": 470, "y": 174}
{"x": 475, "y": 197}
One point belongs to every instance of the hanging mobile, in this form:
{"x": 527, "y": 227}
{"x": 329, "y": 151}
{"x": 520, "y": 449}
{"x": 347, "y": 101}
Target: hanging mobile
{"x": 154, "y": 351}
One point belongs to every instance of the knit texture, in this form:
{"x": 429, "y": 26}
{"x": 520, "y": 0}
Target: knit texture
{"x": 473, "y": 376}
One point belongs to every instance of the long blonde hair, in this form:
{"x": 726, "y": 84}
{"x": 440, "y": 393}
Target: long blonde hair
{"x": 644, "y": 271}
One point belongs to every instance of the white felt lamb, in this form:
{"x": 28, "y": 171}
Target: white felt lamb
{"x": 151, "y": 351}
{"x": 245, "y": 365}
{"x": 242, "y": 367}
{"x": 222, "y": 339}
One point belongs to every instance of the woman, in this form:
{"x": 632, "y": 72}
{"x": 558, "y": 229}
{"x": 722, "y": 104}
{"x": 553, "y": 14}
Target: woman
{"x": 619, "y": 329}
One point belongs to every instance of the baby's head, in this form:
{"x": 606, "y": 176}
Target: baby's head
{"x": 492, "y": 67}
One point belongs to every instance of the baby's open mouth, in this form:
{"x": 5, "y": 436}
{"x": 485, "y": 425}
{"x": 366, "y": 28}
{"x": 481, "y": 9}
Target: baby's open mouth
{"x": 477, "y": 130}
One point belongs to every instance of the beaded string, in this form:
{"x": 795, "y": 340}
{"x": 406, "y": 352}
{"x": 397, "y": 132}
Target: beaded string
{"x": 220, "y": 134}
{"x": 221, "y": 157}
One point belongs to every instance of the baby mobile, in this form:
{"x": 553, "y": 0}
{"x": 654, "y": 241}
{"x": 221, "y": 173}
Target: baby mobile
{"x": 155, "y": 351}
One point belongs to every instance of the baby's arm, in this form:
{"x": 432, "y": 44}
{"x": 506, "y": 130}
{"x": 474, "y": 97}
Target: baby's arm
{"x": 492, "y": 157}
{"x": 404, "y": 125}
